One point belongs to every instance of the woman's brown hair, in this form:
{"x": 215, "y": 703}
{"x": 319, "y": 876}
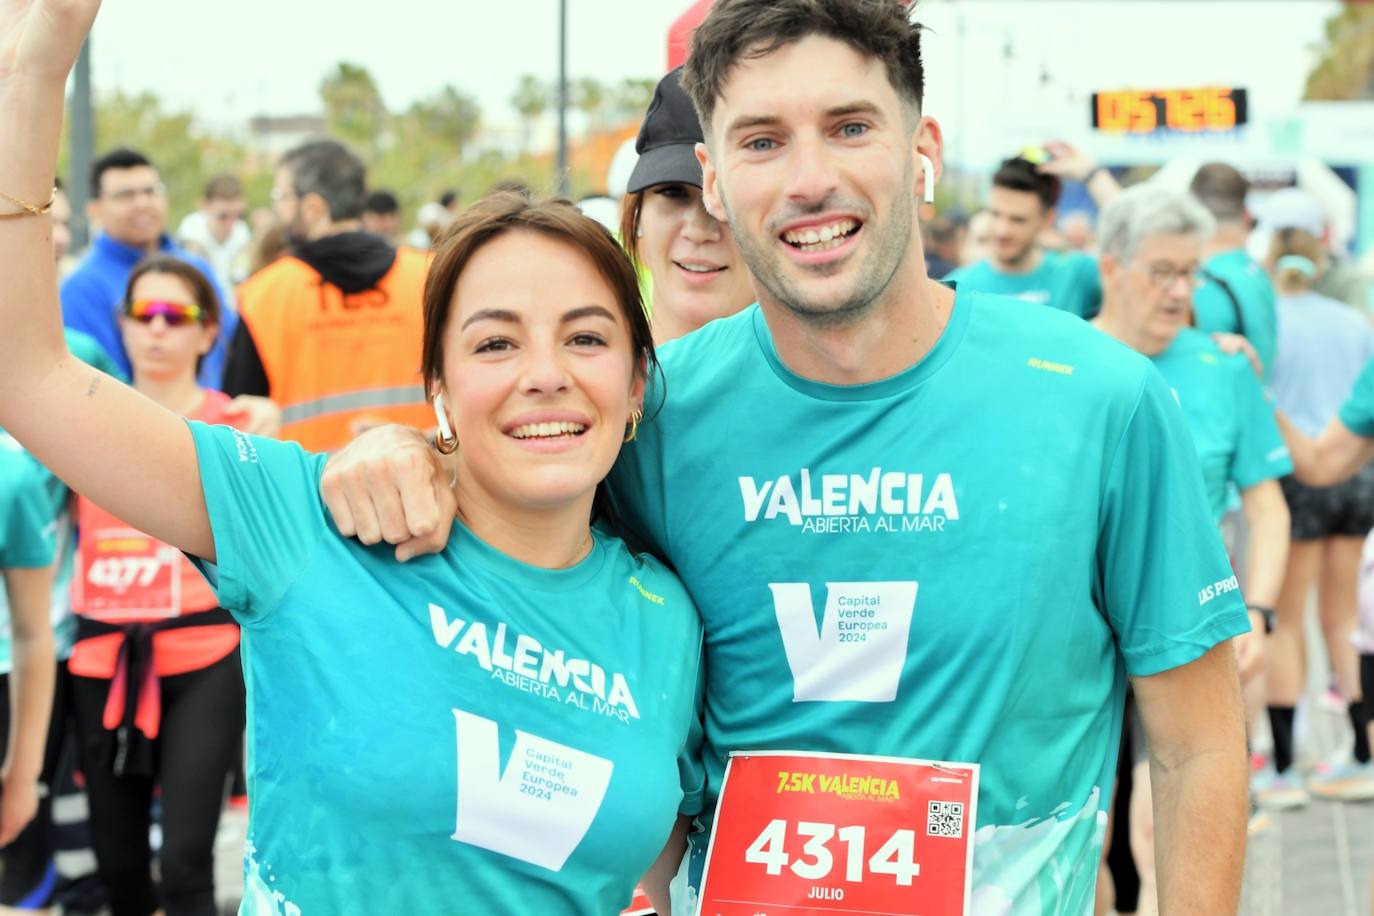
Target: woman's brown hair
{"x": 630, "y": 209}
{"x": 512, "y": 211}
{"x": 201, "y": 288}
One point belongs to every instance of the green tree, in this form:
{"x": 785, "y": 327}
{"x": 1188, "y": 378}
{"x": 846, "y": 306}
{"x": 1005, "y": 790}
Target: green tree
{"x": 1345, "y": 66}
{"x": 530, "y": 101}
{"x": 353, "y": 107}
{"x": 589, "y": 96}
{"x": 186, "y": 154}
{"x": 631, "y": 98}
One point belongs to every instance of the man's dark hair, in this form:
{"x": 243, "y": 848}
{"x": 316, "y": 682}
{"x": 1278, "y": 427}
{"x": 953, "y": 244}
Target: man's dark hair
{"x": 448, "y": 199}
{"x": 223, "y": 187}
{"x": 382, "y": 203}
{"x": 1017, "y": 174}
{"x": 737, "y": 30}
{"x": 331, "y": 170}
{"x": 1221, "y": 189}
{"x": 120, "y": 158}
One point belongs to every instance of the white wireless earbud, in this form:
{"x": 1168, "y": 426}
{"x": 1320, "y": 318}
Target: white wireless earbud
{"x": 929, "y": 168}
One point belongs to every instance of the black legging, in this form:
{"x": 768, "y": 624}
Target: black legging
{"x": 202, "y": 720}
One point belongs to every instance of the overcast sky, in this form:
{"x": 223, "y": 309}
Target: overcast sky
{"x": 269, "y": 57}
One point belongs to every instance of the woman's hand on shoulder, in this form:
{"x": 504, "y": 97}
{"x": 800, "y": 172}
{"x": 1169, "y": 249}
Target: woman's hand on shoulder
{"x": 390, "y": 485}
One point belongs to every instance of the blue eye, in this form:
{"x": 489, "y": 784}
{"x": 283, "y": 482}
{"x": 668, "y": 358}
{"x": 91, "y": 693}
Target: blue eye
{"x": 854, "y": 129}
{"x": 761, "y": 144}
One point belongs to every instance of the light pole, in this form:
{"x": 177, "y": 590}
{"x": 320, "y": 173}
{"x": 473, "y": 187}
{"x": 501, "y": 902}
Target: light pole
{"x": 82, "y": 144}
{"x": 563, "y": 97}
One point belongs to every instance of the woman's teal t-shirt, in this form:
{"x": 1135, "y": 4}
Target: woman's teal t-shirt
{"x": 464, "y": 733}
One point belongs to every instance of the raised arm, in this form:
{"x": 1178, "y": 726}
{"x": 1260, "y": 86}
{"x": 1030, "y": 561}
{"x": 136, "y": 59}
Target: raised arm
{"x": 107, "y": 442}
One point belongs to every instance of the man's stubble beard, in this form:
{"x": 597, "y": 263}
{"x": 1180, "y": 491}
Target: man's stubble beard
{"x": 886, "y": 251}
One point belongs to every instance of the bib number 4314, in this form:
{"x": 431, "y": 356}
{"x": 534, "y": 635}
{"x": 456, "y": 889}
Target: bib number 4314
{"x": 837, "y": 833}
{"x": 896, "y": 857}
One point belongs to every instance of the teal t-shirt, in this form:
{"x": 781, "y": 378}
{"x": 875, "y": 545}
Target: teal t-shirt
{"x": 464, "y": 733}
{"x": 1254, "y": 294}
{"x": 1021, "y": 522}
{"x": 85, "y": 348}
{"x": 1066, "y": 280}
{"x": 26, "y": 528}
{"x": 1357, "y": 413}
{"x": 1233, "y": 427}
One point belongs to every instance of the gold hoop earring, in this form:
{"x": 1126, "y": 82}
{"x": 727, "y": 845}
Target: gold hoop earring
{"x": 635, "y": 417}
{"x": 445, "y": 440}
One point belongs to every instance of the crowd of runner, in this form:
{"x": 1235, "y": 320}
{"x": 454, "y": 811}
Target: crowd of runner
{"x": 778, "y": 461}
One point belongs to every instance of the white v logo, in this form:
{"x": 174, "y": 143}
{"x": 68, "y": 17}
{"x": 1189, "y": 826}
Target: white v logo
{"x": 861, "y": 662}
{"x": 540, "y": 808}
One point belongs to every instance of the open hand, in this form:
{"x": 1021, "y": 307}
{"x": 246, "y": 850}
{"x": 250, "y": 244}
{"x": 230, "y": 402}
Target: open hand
{"x": 1068, "y": 161}
{"x": 39, "y": 39}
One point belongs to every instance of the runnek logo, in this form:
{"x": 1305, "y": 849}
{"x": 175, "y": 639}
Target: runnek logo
{"x": 858, "y": 652}
{"x": 878, "y": 500}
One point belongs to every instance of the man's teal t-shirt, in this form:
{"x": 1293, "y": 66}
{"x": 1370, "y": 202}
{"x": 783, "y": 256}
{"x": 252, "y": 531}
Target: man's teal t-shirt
{"x": 1214, "y": 310}
{"x": 88, "y": 350}
{"x": 1021, "y": 511}
{"x": 464, "y": 733}
{"x": 1357, "y": 413}
{"x": 1233, "y": 427}
{"x": 1066, "y": 280}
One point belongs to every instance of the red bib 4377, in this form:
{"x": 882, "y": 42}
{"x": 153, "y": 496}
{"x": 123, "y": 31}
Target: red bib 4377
{"x": 124, "y": 575}
{"x": 835, "y": 833}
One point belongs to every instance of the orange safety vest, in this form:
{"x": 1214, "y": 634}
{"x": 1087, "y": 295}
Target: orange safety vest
{"x": 339, "y": 364}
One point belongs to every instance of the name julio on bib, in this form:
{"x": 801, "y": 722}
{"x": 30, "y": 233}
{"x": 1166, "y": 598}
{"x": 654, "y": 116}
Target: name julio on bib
{"x": 880, "y": 500}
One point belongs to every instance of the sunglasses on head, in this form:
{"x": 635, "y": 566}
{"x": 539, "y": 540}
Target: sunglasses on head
{"x": 174, "y": 313}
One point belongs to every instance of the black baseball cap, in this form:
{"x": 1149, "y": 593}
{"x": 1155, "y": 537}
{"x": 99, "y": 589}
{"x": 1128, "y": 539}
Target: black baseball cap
{"x": 667, "y": 140}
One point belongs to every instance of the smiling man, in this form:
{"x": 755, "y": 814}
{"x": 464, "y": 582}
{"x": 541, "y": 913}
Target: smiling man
{"x": 1008, "y": 498}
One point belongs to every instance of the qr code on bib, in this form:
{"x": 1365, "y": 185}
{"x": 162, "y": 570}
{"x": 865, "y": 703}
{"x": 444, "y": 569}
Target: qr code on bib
{"x": 946, "y": 819}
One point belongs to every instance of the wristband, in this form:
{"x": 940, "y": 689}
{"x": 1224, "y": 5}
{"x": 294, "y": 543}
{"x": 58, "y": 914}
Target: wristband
{"x": 1267, "y": 613}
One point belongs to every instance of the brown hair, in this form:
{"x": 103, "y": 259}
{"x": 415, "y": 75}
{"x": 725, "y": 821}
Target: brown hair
{"x": 631, "y": 208}
{"x": 512, "y": 211}
{"x": 1221, "y": 188}
{"x": 223, "y": 187}
{"x": 738, "y": 30}
{"x": 201, "y": 288}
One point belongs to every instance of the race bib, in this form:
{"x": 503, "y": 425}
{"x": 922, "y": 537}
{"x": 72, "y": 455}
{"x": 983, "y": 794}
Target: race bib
{"x": 124, "y": 575}
{"x": 639, "y": 904}
{"x": 834, "y": 833}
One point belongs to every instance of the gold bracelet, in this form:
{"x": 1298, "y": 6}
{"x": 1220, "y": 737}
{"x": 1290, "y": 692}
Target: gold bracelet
{"x": 27, "y": 209}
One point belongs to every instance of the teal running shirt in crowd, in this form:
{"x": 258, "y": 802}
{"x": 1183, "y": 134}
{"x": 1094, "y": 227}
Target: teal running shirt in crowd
{"x": 1215, "y": 310}
{"x": 461, "y": 734}
{"x": 1066, "y": 280}
{"x": 85, "y": 348}
{"x": 1357, "y": 413}
{"x": 26, "y": 525}
{"x": 1233, "y": 427}
{"x": 1022, "y": 512}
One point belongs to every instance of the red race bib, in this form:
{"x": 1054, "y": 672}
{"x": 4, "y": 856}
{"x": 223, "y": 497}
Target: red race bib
{"x": 836, "y": 833}
{"x": 124, "y": 575}
{"x": 639, "y": 904}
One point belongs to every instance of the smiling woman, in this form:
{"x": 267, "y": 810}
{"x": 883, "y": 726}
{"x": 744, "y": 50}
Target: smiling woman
{"x": 695, "y": 270}
{"x": 567, "y": 668}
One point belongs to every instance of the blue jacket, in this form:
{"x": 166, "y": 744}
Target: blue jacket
{"x": 92, "y": 295}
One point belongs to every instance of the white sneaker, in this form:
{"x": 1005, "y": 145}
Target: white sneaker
{"x": 1348, "y": 781}
{"x": 1278, "y": 791}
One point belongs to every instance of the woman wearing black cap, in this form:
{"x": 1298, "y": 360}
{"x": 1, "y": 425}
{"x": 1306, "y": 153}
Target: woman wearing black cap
{"x": 696, "y": 271}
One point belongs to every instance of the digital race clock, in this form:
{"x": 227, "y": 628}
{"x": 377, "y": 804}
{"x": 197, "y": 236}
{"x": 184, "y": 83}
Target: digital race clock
{"x": 1208, "y": 109}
